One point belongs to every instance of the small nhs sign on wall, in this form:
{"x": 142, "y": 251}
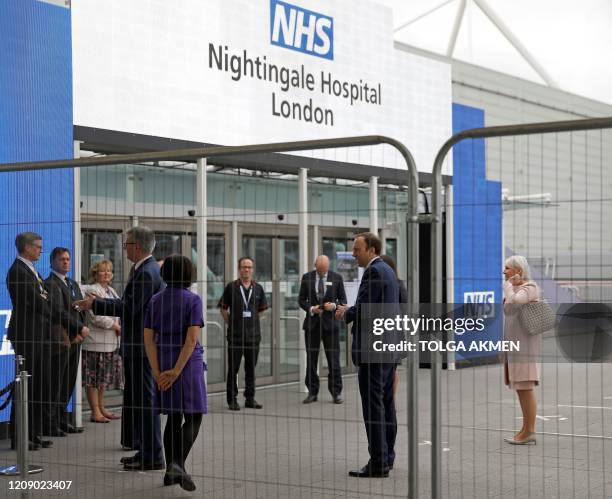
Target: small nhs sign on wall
{"x": 300, "y": 29}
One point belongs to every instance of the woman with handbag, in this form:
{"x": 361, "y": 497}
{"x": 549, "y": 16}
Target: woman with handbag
{"x": 521, "y": 370}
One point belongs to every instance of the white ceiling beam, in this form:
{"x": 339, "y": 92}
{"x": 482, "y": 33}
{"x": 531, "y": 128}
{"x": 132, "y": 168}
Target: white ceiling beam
{"x": 516, "y": 43}
{"x": 456, "y": 26}
{"x": 421, "y": 16}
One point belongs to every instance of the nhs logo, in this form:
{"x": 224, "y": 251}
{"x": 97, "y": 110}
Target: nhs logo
{"x": 303, "y": 30}
{"x": 479, "y": 304}
{"x": 479, "y": 297}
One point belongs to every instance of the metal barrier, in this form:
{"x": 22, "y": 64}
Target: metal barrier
{"x": 200, "y": 155}
{"x": 436, "y": 248}
{"x": 23, "y": 468}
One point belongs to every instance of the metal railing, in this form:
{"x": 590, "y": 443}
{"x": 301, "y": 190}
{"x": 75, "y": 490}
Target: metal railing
{"x": 436, "y": 249}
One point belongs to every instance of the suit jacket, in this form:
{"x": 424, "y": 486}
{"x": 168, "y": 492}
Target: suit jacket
{"x": 131, "y": 307}
{"x": 334, "y": 292}
{"x": 30, "y": 317}
{"x": 379, "y": 284}
{"x": 67, "y": 320}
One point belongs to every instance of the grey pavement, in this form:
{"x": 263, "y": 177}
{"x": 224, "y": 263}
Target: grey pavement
{"x": 291, "y": 450}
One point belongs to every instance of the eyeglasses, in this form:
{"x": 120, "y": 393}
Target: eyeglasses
{"x": 39, "y": 246}
{"x": 125, "y": 245}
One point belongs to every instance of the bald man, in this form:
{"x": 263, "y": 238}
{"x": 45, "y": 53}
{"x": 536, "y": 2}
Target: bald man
{"x": 321, "y": 292}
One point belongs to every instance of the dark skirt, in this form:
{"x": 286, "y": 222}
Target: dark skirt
{"x": 103, "y": 370}
{"x": 188, "y": 392}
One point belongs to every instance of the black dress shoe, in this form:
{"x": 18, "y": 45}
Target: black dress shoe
{"x": 68, "y": 428}
{"x": 369, "y": 472}
{"x": 146, "y": 466}
{"x": 310, "y": 399}
{"x": 130, "y": 459}
{"x": 252, "y": 404}
{"x": 43, "y": 443}
{"x": 175, "y": 474}
{"x": 233, "y": 405}
{"x": 338, "y": 399}
{"x": 33, "y": 446}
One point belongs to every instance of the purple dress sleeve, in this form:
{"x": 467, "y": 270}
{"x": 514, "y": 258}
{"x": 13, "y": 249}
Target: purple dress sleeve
{"x": 148, "y": 317}
{"x": 196, "y": 317}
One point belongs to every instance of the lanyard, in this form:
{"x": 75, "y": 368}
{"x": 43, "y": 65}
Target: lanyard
{"x": 244, "y": 298}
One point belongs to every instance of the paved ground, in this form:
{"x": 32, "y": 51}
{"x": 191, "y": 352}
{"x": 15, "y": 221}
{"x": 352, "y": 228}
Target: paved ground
{"x": 290, "y": 450}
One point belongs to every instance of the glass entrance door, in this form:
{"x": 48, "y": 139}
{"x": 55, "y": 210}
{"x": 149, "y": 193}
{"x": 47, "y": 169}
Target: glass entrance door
{"x": 277, "y": 270}
{"x": 289, "y": 328}
{"x": 260, "y": 249}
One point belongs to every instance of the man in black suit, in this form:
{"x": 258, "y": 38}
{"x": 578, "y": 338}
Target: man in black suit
{"x": 321, "y": 291}
{"x": 140, "y": 423}
{"x": 378, "y": 285}
{"x": 68, "y": 331}
{"x": 29, "y": 329}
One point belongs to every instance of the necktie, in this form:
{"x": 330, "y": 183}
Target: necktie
{"x": 70, "y": 287}
{"x": 321, "y": 289}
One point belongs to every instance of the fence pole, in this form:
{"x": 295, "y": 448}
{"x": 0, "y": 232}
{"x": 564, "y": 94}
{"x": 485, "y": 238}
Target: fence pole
{"x": 436, "y": 248}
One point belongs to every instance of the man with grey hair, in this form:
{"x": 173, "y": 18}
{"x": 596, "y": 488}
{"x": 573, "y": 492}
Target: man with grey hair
{"x": 140, "y": 426}
{"x": 29, "y": 329}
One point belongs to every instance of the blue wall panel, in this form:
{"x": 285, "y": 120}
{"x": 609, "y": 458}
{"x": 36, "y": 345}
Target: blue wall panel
{"x": 477, "y": 225}
{"x": 35, "y": 124}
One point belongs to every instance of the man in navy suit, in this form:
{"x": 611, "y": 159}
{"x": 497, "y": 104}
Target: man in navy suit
{"x": 68, "y": 332}
{"x": 143, "y": 282}
{"x": 378, "y": 285}
{"x": 321, "y": 291}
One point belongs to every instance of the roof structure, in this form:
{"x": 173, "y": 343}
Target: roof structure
{"x": 562, "y": 44}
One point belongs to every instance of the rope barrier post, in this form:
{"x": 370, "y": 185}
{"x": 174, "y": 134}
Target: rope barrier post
{"x": 21, "y": 420}
{"x": 18, "y": 391}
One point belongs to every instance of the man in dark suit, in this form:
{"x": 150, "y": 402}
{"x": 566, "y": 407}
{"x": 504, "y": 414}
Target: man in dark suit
{"x": 321, "y": 291}
{"x": 378, "y": 285}
{"x": 138, "y": 415}
{"x": 68, "y": 332}
{"x": 29, "y": 329}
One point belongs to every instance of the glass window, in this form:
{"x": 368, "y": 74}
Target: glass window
{"x": 391, "y": 249}
{"x": 215, "y": 282}
{"x": 98, "y": 245}
{"x": 167, "y": 244}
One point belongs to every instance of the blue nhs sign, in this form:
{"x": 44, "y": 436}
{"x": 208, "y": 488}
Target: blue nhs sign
{"x": 303, "y": 30}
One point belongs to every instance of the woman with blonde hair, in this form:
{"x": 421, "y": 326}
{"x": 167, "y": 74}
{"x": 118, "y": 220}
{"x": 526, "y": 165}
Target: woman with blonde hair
{"x": 521, "y": 370}
{"x": 101, "y": 361}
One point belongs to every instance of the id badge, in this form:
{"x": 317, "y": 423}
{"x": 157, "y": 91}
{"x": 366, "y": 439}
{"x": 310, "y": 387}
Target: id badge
{"x": 246, "y": 314}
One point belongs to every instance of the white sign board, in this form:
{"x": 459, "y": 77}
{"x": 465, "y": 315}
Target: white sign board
{"x": 236, "y": 72}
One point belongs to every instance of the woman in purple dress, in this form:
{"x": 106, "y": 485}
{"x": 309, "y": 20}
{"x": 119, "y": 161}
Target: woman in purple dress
{"x": 172, "y": 330}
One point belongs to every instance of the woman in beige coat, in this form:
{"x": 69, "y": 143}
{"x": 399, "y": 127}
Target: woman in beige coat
{"x": 521, "y": 370}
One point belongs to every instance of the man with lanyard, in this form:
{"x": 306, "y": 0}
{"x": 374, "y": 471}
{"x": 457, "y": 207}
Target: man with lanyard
{"x": 68, "y": 332}
{"x": 242, "y": 303}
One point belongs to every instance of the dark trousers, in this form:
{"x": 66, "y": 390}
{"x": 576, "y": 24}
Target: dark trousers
{"x": 67, "y": 382}
{"x": 33, "y": 354}
{"x": 235, "y": 352}
{"x": 128, "y": 438}
{"x": 376, "y": 389}
{"x": 146, "y": 426}
{"x": 57, "y": 359}
{"x": 179, "y": 437}
{"x": 331, "y": 345}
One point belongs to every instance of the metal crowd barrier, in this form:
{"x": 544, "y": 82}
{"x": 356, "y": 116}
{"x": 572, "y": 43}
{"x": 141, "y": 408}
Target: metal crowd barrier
{"x": 436, "y": 249}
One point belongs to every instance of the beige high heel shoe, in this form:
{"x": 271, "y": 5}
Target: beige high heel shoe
{"x": 531, "y": 439}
